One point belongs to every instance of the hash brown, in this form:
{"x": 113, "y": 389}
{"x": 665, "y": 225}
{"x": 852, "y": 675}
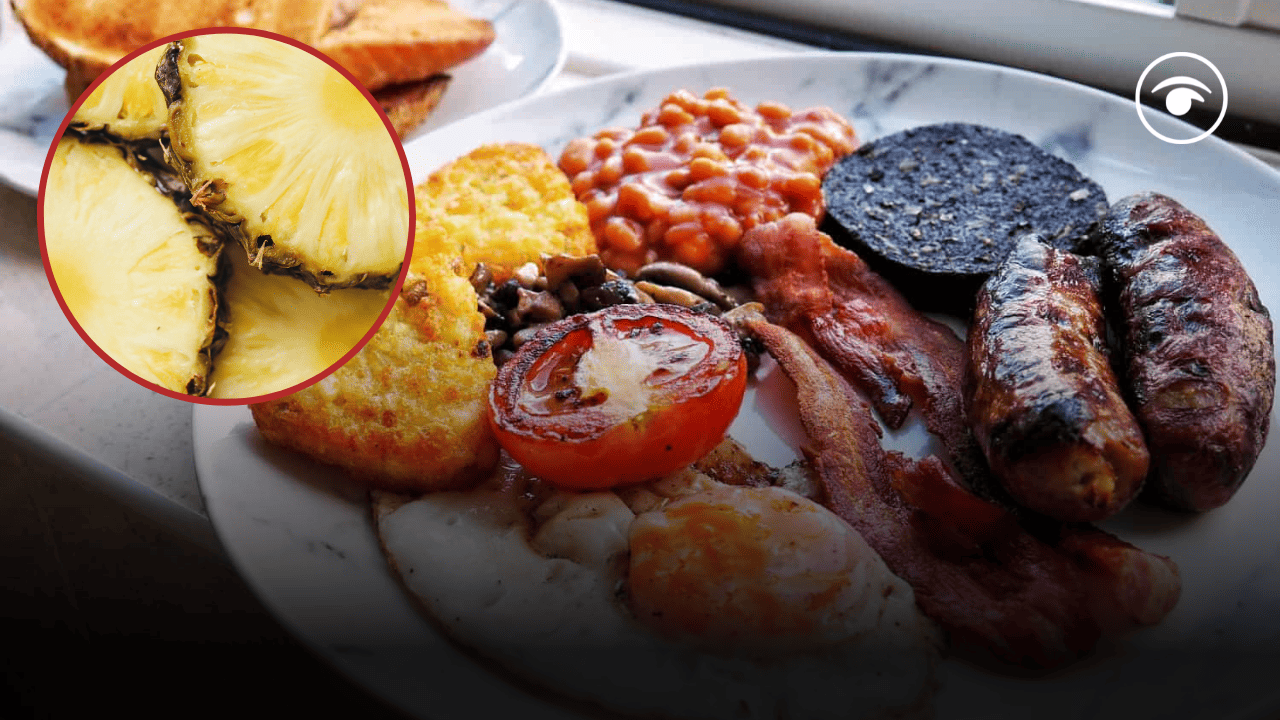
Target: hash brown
{"x": 408, "y": 411}
{"x": 504, "y": 205}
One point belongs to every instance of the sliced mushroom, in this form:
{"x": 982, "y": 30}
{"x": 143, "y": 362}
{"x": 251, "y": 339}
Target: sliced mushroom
{"x": 583, "y": 270}
{"x": 686, "y": 278}
{"x": 525, "y": 335}
{"x": 526, "y": 275}
{"x": 481, "y": 277}
{"x": 486, "y": 308}
{"x": 670, "y": 295}
{"x": 744, "y": 312}
{"x": 613, "y": 292}
{"x": 536, "y": 307}
{"x": 568, "y": 293}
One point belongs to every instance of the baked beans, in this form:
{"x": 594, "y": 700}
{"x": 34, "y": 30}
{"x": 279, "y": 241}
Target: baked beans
{"x": 699, "y": 172}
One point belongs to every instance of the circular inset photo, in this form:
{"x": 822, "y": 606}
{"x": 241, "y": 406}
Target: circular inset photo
{"x": 226, "y": 216}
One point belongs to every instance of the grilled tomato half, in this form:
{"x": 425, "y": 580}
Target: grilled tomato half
{"x": 623, "y": 395}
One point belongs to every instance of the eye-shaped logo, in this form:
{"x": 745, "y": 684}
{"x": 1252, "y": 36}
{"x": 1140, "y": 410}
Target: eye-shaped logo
{"x": 1178, "y": 101}
{"x": 1181, "y": 91}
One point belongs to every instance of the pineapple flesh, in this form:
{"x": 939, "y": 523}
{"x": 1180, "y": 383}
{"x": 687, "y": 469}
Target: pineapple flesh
{"x": 289, "y": 157}
{"x": 127, "y": 104}
{"x": 281, "y": 333}
{"x": 135, "y": 272}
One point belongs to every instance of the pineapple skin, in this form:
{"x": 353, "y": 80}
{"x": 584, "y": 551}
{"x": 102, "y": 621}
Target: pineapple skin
{"x": 209, "y": 196}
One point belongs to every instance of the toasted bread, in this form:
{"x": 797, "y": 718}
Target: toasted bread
{"x": 87, "y": 36}
{"x": 409, "y": 104}
{"x": 387, "y": 42}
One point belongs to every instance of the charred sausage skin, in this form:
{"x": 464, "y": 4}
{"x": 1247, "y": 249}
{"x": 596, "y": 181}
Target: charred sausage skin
{"x": 1197, "y": 345}
{"x": 1042, "y": 399}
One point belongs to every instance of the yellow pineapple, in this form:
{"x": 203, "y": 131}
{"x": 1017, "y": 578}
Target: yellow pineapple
{"x": 289, "y": 156}
{"x": 281, "y": 333}
{"x": 135, "y": 272}
{"x": 128, "y": 103}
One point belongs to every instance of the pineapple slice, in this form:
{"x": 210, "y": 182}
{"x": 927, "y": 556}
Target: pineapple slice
{"x": 290, "y": 157}
{"x": 128, "y": 104}
{"x": 280, "y": 333}
{"x": 134, "y": 272}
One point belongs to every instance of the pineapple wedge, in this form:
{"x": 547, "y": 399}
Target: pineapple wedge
{"x": 281, "y": 333}
{"x": 135, "y": 273}
{"x": 289, "y": 157}
{"x": 128, "y": 104}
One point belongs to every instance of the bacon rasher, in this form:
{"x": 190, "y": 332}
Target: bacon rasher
{"x": 1029, "y": 591}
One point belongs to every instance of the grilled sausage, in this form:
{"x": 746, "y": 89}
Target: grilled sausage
{"x": 1198, "y": 352}
{"x": 1041, "y": 397}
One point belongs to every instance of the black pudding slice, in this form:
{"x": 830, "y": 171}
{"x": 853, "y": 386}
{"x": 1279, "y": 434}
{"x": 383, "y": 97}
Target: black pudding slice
{"x": 935, "y": 209}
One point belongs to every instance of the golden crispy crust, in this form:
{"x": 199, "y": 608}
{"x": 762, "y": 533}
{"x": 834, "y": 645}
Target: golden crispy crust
{"x": 408, "y": 412}
{"x": 87, "y": 36}
{"x": 409, "y": 105}
{"x": 501, "y": 204}
{"x": 386, "y": 42}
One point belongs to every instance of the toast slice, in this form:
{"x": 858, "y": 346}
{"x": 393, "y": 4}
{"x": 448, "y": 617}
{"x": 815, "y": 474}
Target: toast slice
{"x": 88, "y": 36}
{"x": 408, "y": 105}
{"x": 388, "y": 42}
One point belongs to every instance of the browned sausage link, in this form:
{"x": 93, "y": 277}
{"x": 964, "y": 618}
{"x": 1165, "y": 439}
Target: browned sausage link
{"x": 1041, "y": 396}
{"x": 1199, "y": 358}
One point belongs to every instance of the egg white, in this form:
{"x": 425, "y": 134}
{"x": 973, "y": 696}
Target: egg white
{"x": 544, "y": 593}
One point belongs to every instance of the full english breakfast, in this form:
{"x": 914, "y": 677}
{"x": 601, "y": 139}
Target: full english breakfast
{"x": 585, "y": 357}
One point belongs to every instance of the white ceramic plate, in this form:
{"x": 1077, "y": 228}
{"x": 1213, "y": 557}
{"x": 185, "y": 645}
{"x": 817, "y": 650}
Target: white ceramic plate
{"x": 302, "y": 538}
{"x": 527, "y": 52}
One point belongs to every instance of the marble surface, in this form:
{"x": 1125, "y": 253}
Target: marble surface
{"x": 301, "y": 536}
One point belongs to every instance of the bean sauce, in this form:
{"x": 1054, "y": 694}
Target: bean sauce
{"x": 699, "y": 172}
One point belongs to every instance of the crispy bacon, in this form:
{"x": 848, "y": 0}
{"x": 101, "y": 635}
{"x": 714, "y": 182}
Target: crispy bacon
{"x": 865, "y": 328}
{"x": 1028, "y": 590}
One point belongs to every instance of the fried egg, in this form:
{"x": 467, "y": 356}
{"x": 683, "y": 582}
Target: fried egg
{"x": 685, "y": 598}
